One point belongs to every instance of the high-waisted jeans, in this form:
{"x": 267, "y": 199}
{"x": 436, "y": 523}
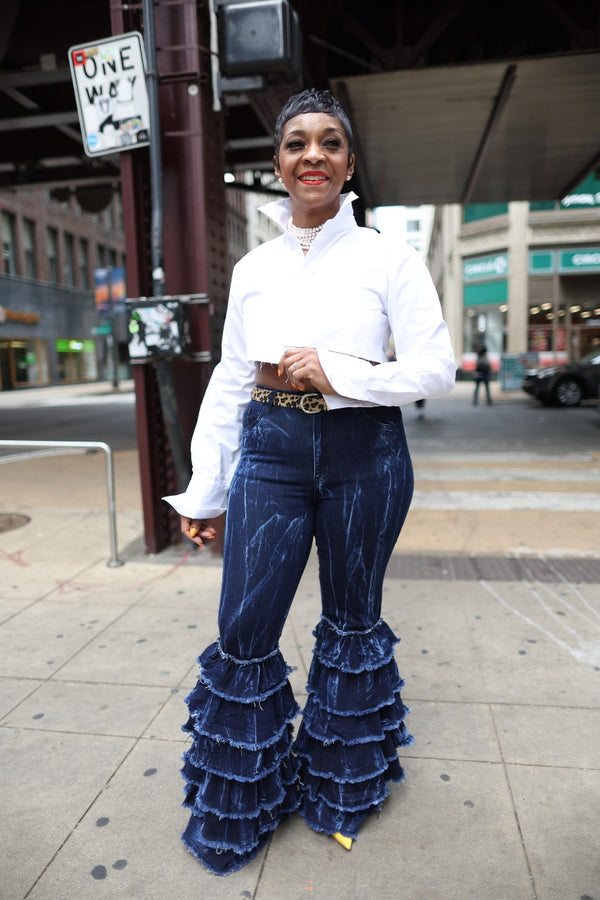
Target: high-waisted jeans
{"x": 342, "y": 479}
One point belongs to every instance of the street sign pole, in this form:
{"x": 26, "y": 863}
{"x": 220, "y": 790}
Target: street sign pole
{"x": 158, "y": 276}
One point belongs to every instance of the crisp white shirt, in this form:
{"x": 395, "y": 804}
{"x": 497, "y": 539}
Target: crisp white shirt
{"x": 346, "y": 297}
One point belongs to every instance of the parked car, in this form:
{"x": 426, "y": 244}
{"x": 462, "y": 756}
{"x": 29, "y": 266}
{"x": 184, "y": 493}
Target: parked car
{"x": 566, "y": 385}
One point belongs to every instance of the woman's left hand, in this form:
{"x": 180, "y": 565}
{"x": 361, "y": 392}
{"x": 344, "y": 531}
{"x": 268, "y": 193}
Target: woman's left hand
{"x": 302, "y": 368}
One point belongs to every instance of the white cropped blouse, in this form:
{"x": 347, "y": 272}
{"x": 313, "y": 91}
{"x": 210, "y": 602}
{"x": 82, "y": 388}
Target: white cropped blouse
{"x": 351, "y": 293}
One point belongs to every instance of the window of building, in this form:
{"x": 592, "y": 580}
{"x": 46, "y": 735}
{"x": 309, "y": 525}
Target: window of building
{"x": 100, "y": 257}
{"x": 52, "y": 253}
{"x": 84, "y": 269}
{"x": 413, "y": 225}
{"x": 112, "y": 259}
{"x": 69, "y": 261}
{"x": 29, "y": 248}
{"x": 9, "y": 250}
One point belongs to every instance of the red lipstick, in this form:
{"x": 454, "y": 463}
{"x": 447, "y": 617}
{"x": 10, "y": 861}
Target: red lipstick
{"x": 316, "y": 177}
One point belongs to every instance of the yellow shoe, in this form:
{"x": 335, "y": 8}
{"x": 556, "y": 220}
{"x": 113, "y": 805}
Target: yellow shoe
{"x": 346, "y": 842}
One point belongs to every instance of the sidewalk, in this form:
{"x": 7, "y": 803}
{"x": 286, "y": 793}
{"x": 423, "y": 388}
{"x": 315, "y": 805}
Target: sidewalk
{"x": 502, "y": 796}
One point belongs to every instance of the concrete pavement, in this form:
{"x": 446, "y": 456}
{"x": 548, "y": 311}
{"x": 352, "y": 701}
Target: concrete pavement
{"x": 502, "y": 796}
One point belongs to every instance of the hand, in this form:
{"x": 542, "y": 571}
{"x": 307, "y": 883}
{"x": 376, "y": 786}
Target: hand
{"x": 196, "y": 529}
{"x": 302, "y": 368}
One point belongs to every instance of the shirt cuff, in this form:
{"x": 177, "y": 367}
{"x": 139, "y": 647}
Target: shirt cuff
{"x": 198, "y": 503}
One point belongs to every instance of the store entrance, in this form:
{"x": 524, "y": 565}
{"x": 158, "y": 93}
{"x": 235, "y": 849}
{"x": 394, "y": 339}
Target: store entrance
{"x": 6, "y": 380}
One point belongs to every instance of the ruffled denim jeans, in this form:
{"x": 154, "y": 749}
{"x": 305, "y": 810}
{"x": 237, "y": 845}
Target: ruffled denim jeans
{"x": 343, "y": 479}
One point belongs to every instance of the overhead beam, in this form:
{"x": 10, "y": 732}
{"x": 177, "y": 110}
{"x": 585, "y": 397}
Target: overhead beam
{"x": 500, "y": 102}
{"x": 28, "y": 103}
{"x": 56, "y": 176}
{"x": 431, "y": 35}
{"x": 382, "y": 55}
{"x": 44, "y": 120}
{"x": 33, "y": 78}
{"x": 8, "y": 15}
{"x": 580, "y": 35}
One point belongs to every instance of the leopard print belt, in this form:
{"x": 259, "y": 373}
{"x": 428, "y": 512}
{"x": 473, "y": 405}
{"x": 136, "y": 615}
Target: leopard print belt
{"x": 308, "y": 403}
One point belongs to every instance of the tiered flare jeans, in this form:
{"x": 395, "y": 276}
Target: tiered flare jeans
{"x": 344, "y": 480}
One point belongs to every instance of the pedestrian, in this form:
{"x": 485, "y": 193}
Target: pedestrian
{"x": 300, "y": 438}
{"x": 483, "y": 375}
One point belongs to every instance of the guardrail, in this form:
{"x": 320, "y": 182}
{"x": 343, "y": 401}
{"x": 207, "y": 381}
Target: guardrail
{"x": 110, "y": 481}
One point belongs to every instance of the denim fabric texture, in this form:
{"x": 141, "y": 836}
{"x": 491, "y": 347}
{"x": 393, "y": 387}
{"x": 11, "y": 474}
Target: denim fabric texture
{"x": 344, "y": 480}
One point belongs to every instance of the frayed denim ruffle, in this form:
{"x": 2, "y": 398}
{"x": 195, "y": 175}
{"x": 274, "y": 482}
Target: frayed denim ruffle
{"x": 241, "y": 777}
{"x": 352, "y": 726}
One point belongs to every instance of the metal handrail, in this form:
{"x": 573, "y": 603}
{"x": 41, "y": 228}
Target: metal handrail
{"x": 110, "y": 481}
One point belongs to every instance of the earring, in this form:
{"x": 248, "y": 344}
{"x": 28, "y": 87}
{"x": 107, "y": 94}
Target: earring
{"x": 280, "y": 180}
{"x": 348, "y": 177}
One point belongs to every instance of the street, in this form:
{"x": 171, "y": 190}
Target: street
{"x": 515, "y": 422}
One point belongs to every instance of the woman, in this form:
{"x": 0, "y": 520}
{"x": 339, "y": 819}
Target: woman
{"x": 300, "y": 437}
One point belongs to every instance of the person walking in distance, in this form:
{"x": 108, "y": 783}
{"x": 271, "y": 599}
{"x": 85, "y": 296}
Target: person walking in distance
{"x": 300, "y": 438}
{"x": 483, "y": 375}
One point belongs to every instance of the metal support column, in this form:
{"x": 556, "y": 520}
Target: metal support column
{"x": 194, "y": 255}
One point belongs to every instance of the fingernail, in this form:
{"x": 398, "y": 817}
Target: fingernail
{"x": 193, "y": 531}
{"x": 279, "y": 371}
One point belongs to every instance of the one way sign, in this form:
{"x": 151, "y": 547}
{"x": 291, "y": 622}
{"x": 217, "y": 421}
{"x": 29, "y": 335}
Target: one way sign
{"x": 110, "y": 88}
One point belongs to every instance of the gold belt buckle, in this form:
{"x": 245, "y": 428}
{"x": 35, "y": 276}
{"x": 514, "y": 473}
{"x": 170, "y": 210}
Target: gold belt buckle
{"x": 316, "y": 399}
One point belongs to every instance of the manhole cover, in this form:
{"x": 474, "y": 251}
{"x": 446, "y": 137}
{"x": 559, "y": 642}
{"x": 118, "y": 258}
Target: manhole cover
{"x": 8, "y": 521}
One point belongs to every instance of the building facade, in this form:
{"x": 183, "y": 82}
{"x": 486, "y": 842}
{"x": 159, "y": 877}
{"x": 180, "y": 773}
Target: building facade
{"x": 521, "y": 278}
{"x": 51, "y": 331}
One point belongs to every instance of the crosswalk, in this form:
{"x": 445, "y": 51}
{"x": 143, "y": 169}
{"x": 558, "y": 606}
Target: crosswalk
{"x": 507, "y": 481}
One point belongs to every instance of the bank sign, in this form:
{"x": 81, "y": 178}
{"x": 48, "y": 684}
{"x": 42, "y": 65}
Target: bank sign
{"x": 109, "y": 79}
{"x": 484, "y": 268}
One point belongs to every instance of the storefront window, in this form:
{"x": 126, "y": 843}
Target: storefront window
{"x": 485, "y": 325}
{"x": 574, "y": 329}
{"x": 76, "y": 360}
{"x": 546, "y": 329}
{"x": 23, "y": 363}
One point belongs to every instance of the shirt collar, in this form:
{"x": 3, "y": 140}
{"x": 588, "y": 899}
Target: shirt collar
{"x": 280, "y": 210}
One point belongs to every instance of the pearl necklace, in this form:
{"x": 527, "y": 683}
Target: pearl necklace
{"x": 304, "y": 235}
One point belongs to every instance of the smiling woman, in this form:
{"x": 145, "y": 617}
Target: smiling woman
{"x": 313, "y": 159}
{"x": 300, "y": 438}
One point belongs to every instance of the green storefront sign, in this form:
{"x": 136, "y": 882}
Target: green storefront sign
{"x": 64, "y": 345}
{"x": 566, "y": 262}
{"x": 482, "y": 268}
{"x": 585, "y": 260}
{"x": 484, "y": 280}
{"x": 486, "y": 292}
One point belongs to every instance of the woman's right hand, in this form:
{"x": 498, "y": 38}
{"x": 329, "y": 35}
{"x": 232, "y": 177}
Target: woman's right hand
{"x": 196, "y": 529}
